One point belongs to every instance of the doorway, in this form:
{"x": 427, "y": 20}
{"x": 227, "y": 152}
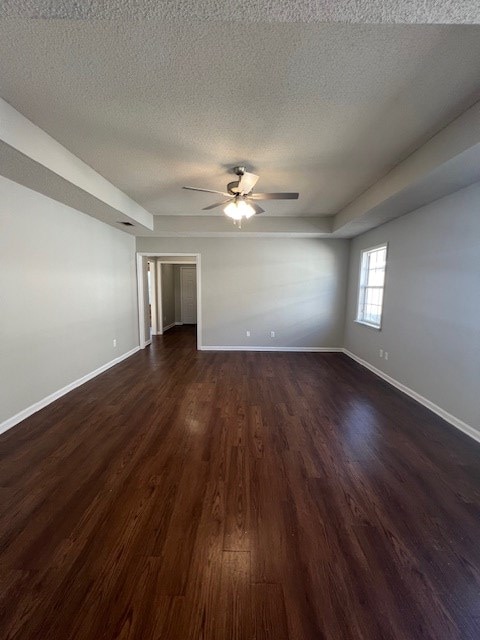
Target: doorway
{"x": 169, "y": 294}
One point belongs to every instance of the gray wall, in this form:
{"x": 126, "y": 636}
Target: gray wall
{"x": 178, "y": 291}
{"x": 431, "y": 318}
{"x": 67, "y": 289}
{"x": 295, "y": 287}
{"x": 168, "y": 294}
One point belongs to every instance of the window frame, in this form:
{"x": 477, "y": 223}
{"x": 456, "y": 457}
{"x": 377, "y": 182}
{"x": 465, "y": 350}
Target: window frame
{"x": 358, "y": 319}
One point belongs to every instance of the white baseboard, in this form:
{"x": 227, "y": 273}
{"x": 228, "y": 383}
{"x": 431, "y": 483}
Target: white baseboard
{"x": 456, "y": 422}
{"x": 169, "y": 326}
{"x": 147, "y": 343}
{"x": 33, "y": 408}
{"x": 292, "y": 349}
{"x": 178, "y": 323}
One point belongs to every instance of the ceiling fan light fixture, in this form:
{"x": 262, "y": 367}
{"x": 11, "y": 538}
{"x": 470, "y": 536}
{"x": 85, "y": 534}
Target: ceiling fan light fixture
{"x": 241, "y": 203}
{"x": 239, "y": 209}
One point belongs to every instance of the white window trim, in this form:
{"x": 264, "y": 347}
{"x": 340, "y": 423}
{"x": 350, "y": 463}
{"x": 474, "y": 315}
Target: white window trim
{"x": 365, "y": 323}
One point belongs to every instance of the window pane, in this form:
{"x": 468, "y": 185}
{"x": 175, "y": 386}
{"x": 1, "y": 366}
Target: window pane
{"x": 382, "y": 256}
{"x": 370, "y": 296}
{"x": 364, "y": 274}
{"x": 376, "y": 277}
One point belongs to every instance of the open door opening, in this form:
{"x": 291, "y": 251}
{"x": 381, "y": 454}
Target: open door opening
{"x": 168, "y": 294}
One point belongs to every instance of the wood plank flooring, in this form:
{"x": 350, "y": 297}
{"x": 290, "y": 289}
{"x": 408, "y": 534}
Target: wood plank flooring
{"x": 188, "y": 495}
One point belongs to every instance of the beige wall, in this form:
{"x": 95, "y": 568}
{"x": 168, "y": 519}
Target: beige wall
{"x": 67, "y": 289}
{"x": 295, "y": 287}
{"x": 431, "y": 317}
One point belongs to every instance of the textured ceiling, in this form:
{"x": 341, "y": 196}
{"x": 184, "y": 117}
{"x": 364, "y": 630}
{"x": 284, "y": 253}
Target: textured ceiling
{"x": 325, "y": 109}
{"x": 368, "y": 11}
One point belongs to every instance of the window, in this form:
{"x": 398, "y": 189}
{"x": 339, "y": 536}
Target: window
{"x": 372, "y": 280}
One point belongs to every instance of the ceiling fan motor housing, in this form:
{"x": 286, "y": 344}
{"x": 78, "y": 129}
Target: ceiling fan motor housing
{"x": 232, "y": 187}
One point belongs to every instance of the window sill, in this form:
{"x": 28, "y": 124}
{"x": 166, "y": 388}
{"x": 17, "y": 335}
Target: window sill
{"x": 368, "y": 324}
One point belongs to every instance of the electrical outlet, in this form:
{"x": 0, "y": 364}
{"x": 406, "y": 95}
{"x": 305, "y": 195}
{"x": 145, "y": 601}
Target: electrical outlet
{"x": 248, "y": 334}
{"x": 114, "y": 342}
{"x": 386, "y": 355}
{"x": 381, "y": 353}
{"x": 272, "y": 334}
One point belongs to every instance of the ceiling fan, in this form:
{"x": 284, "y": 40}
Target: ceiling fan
{"x": 241, "y": 202}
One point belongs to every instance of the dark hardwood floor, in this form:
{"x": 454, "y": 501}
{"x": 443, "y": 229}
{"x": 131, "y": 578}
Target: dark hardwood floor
{"x": 236, "y": 496}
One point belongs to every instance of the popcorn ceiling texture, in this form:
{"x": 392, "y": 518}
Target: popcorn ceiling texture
{"x": 325, "y": 109}
{"x": 353, "y": 11}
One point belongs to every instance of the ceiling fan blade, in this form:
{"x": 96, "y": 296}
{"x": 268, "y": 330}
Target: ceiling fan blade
{"x": 256, "y": 207}
{"x": 217, "y": 204}
{"x": 275, "y": 196}
{"x": 247, "y": 182}
{"x": 222, "y": 193}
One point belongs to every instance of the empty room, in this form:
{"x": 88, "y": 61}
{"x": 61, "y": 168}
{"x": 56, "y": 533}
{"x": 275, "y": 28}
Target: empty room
{"x": 240, "y": 320}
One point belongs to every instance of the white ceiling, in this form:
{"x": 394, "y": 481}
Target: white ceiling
{"x": 325, "y": 109}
